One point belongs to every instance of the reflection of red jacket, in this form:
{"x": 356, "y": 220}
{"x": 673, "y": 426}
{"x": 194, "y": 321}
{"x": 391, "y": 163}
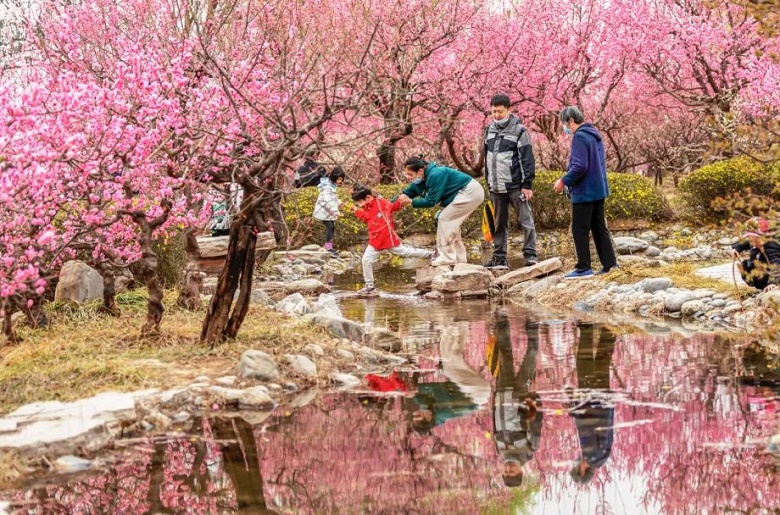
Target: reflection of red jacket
{"x": 378, "y": 215}
{"x": 391, "y": 383}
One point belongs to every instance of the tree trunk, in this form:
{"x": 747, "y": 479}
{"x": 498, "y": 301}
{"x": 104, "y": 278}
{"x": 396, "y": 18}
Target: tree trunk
{"x": 147, "y": 268}
{"x": 8, "y": 328}
{"x": 242, "y": 463}
{"x": 192, "y": 278}
{"x": 215, "y": 326}
{"x": 386, "y": 155}
{"x": 109, "y": 291}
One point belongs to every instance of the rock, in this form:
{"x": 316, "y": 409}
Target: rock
{"x": 674, "y": 302}
{"x": 654, "y": 284}
{"x": 691, "y": 307}
{"x": 339, "y": 326}
{"x": 227, "y": 380}
{"x": 314, "y": 349}
{"x": 259, "y": 296}
{"x": 463, "y": 279}
{"x": 345, "y": 379}
{"x": 255, "y": 364}
{"x": 302, "y": 365}
{"x": 345, "y": 354}
{"x": 384, "y": 339}
{"x": 327, "y": 305}
{"x": 540, "y": 286}
{"x": 307, "y": 287}
{"x": 160, "y": 421}
{"x": 312, "y": 247}
{"x": 650, "y": 236}
{"x": 69, "y": 464}
{"x": 424, "y": 276}
{"x": 652, "y": 251}
{"x": 685, "y": 232}
{"x": 251, "y": 398}
{"x": 530, "y": 272}
{"x": 628, "y": 245}
{"x": 78, "y": 282}
{"x": 292, "y": 255}
{"x": 59, "y": 428}
{"x": 181, "y": 416}
{"x": 632, "y": 260}
{"x": 294, "y": 304}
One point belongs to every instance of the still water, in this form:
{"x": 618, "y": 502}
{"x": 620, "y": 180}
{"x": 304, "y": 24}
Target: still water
{"x": 502, "y": 410}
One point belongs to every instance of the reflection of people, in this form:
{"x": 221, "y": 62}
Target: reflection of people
{"x": 594, "y": 416}
{"x": 509, "y": 171}
{"x": 517, "y": 419}
{"x": 458, "y": 195}
{"x": 377, "y": 213}
{"x": 326, "y": 209}
{"x": 464, "y": 391}
{"x": 587, "y": 182}
{"x": 761, "y": 269}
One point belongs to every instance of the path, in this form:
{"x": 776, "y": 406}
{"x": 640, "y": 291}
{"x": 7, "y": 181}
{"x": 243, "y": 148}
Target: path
{"x": 722, "y": 272}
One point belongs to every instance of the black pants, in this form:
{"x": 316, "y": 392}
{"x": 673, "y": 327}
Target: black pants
{"x": 501, "y": 203}
{"x": 753, "y": 275}
{"x": 588, "y": 217}
{"x": 330, "y": 228}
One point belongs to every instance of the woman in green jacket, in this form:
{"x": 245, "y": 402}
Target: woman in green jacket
{"x": 458, "y": 195}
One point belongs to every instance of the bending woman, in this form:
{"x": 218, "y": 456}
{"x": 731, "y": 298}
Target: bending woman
{"x": 458, "y": 195}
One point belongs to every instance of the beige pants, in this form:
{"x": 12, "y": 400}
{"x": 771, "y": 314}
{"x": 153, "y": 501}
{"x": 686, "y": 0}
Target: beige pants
{"x": 448, "y": 240}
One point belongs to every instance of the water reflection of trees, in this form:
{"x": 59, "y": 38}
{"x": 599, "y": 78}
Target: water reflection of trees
{"x": 689, "y": 416}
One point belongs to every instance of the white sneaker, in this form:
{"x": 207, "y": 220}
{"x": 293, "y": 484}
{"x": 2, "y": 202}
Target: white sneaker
{"x": 441, "y": 262}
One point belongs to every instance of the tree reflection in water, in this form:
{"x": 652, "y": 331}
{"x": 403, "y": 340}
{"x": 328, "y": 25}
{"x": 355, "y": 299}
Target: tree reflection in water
{"x": 596, "y": 418}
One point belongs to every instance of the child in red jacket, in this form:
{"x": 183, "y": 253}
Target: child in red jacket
{"x": 378, "y": 215}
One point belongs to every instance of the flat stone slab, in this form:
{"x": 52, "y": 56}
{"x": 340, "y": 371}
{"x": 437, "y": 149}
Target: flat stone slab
{"x": 530, "y": 272}
{"x": 726, "y": 272}
{"x": 292, "y": 255}
{"x": 210, "y": 247}
{"x": 84, "y": 422}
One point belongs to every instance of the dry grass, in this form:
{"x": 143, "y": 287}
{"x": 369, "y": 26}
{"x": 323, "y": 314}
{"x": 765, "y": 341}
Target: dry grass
{"x": 684, "y": 276}
{"x": 84, "y": 352}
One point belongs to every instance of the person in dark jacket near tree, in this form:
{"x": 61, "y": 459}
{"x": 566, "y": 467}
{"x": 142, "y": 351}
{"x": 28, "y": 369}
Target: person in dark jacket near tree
{"x": 509, "y": 172}
{"x": 588, "y": 186}
{"x": 762, "y": 268}
{"x": 457, "y": 194}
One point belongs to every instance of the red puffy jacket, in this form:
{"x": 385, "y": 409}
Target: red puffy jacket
{"x": 378, "y": 215}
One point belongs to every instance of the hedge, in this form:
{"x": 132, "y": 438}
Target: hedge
{"x": 632, "y": 197}
{"x": 721, "y": 180}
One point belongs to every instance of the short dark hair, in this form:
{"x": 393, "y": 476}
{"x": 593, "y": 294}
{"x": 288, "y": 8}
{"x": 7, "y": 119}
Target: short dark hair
{"x": 578, "y": 476}
{"x": 360, "y": 192}
{"x": 336, "y": 173}
{"x": 415, "y": 163}
{"x": 513, "y": 481}
{"x": 500, "y": 100}
{"x": 571, "y": 113}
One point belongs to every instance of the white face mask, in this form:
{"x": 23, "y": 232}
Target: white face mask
{"x": 567, "y": 130}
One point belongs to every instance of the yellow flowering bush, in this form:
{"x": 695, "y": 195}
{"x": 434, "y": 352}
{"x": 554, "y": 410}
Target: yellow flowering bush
{"x": 703, "y": 188}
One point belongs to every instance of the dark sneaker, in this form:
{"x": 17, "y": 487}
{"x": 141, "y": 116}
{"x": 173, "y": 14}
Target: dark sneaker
{"x": 531, "y": 261}
{"x": 497, "y": 264}
{"x": 607, "y": 270}
{"x": 368, "y": 292}
{"x": 578, "y": 274}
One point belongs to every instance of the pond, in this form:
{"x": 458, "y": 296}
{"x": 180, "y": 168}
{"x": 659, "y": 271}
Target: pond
{"x": 502, "y": 410}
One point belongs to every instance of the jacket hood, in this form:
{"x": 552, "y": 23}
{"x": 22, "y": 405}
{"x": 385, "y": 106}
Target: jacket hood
{"x": 324, "y": 181}
{"x": 590, "y": 130}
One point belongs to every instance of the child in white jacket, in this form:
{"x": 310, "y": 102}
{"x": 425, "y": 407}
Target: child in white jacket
{"x": 326, "y": 209}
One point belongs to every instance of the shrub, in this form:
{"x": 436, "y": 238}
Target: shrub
{"x": 702, "y": 187}
{"x": 632, "y": 197}
{"x": 171, "y": 258}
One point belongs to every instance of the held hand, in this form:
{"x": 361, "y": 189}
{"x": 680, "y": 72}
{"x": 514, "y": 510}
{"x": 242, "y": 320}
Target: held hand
{"x": 558, "y": 186}
{"x": 404, "y": 199}
{"x": 734, "y": 254}
{"x": 528, "y": 194}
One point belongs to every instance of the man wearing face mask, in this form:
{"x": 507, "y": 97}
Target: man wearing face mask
{"x": 586, "y": 179}
{"x": 509, "y": 171}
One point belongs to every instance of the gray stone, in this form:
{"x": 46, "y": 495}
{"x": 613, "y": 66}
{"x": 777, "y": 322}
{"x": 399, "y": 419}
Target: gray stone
{"x": 384, "y": 339}
{"x": 345, "y": 354}
{"x": 345, "y": 379}
{"x": 530, "y": 272}
{"x": 312, "y": 247}
{"x": 69, "y": 464}
{"x": 674, "y": 303}
{"x": 692, "y": 307}
{"x": 538, "y": 287}
{"x": 339, "y": 326}
{"x": 629, "y": 245}
{"x": 292, "y": 255}
{"x": 327, "y": 305}
{"x": 718, "y": 303}
{"x": 685, "y": 232}
{"x": 294, "y": 304}
{"x": 654, "y": 284}
{"x": 251, "y": 398}
{"x": 307, "y": 287}
{"x": 463, "y": 279}
{"x": 632, "y": 260}
{"x": 78, "y": 282}
{"x": 649, "y": 236}
{"x": 652, "y": 252}
{"x": 302, "y": 365}
{"x": 181, "y": 416}
{"x": 255, "y": 364}
{"x": 160, "y": 421}
{"x": 259, "y": 296}
{"x": 314, "y": 349}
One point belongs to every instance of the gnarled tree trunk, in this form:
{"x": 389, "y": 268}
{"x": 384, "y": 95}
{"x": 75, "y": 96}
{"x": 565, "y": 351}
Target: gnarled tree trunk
{"x": 192, "y": 277}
